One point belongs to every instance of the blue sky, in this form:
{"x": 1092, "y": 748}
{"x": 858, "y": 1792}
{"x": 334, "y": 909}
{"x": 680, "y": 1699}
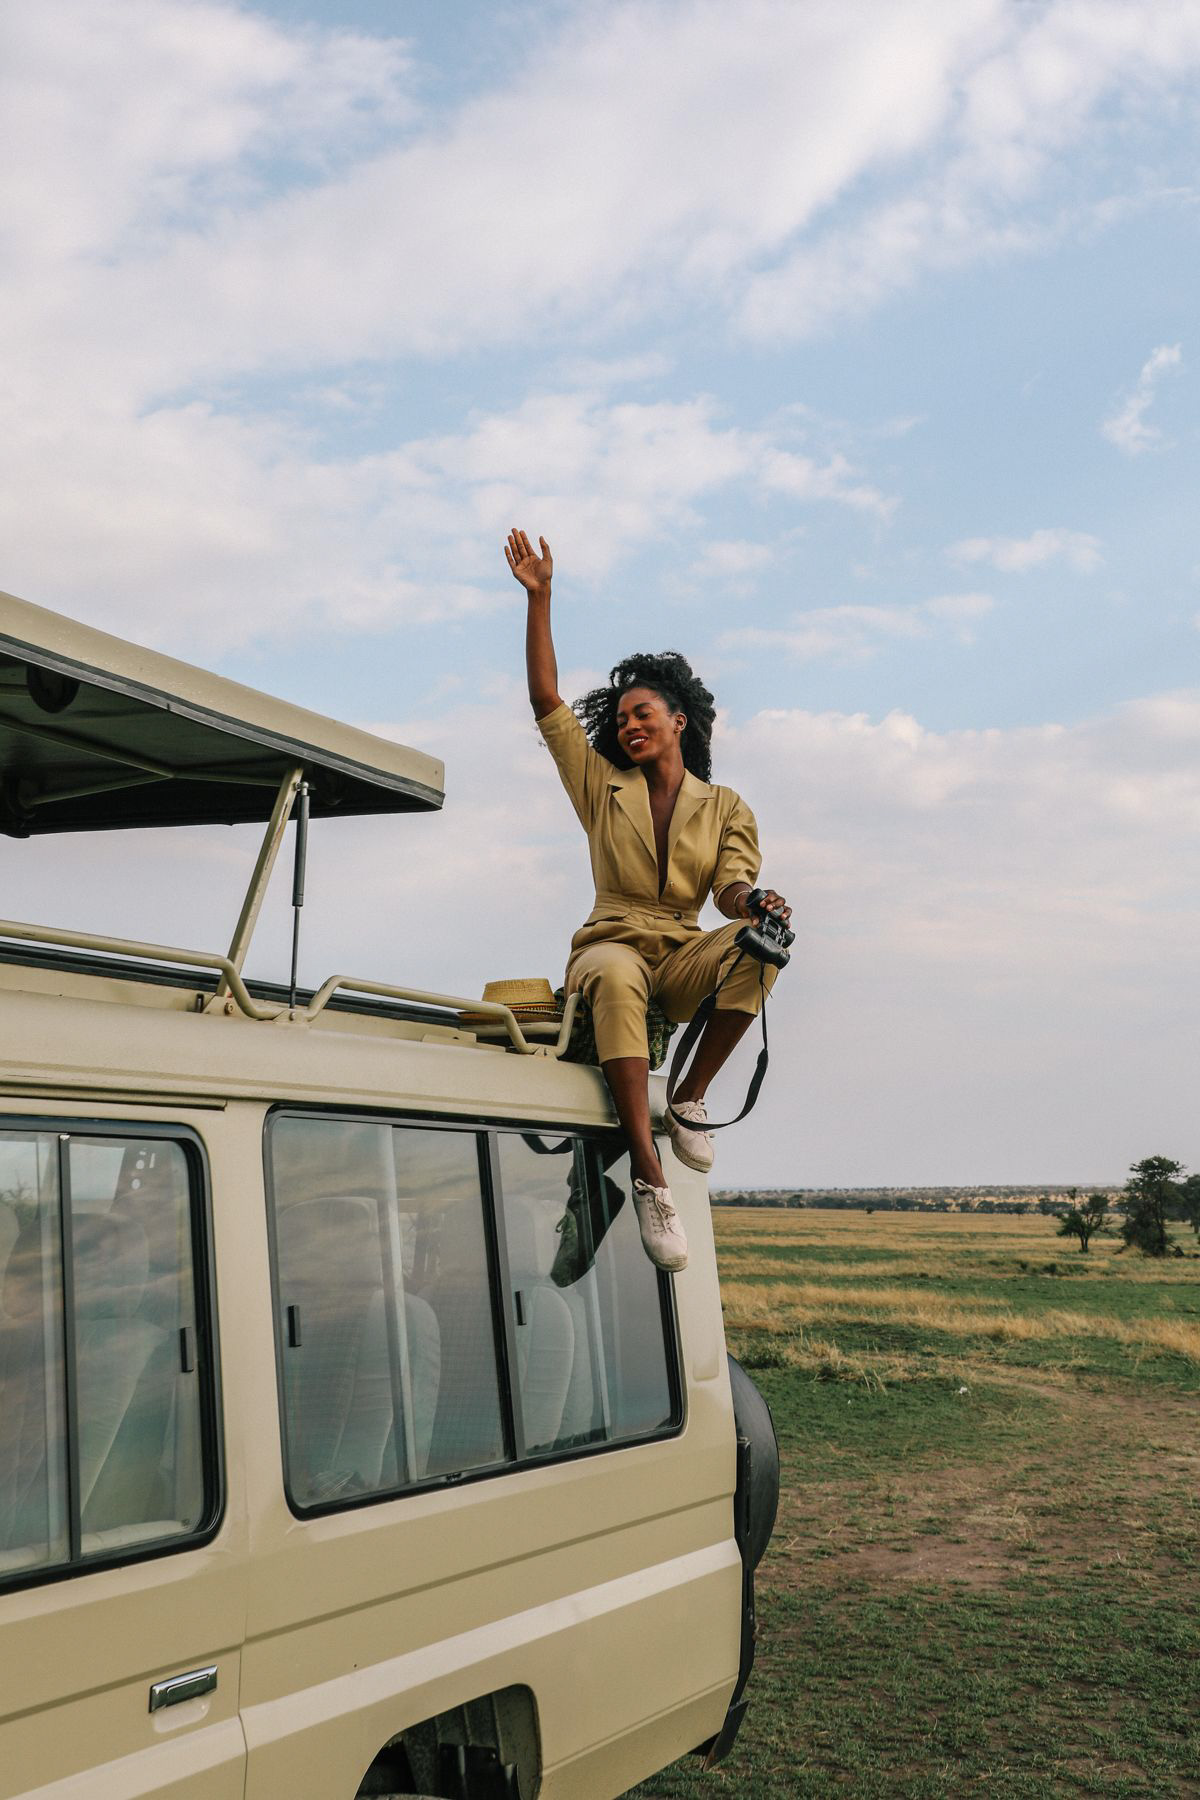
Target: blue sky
{"x": 852, "y": 352}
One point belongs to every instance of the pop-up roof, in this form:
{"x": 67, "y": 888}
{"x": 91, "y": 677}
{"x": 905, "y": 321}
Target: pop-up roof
{"x": 97, "y": 733}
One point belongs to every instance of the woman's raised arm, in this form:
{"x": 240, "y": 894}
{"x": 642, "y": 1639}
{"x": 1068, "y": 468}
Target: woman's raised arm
{"x": 535, "y": 574}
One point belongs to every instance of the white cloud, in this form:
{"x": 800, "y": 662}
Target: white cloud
{"x": 600, "y": 373}
{"x": 198, "y": 196}
{"x": 1127, "y": 428}
{"x": 128, "y": 121}
{"x": 567, "y": 193}
{"x": 959, "y": 606}
{"x": 784, "y": 472}
{"x": 996, "y": 928}
{"x": 1015, "y": 556}
{"x": 732, "y": 136}
{"x": 731, "y": 560}
{"x": 1026, "y": 86}
{"x": 1080, "y": 829}
{"x": 107, "y": 514}
{"x": 853, "y": 633}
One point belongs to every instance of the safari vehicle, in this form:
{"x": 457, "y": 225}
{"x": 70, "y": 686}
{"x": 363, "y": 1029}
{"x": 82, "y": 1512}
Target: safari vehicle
{"x": 328, "y": 1466}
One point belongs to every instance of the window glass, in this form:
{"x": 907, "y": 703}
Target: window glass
{"x": 447, "y": 1295}
{"x": 34, "y": 1530}
{"x": 387, "y": 1341}
{"x": 591, "y": 1351}
{"x": 330, "y": 1180}
{"x": 124, "y": 1362}
{"x": 136, "y": 1355}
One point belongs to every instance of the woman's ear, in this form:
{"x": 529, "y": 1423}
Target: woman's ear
{"x": 682, "y": 718}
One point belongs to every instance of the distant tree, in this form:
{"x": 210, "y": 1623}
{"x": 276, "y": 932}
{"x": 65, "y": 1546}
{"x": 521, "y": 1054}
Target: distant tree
{"x": 1084, "y": 1222}
{"x": 1189, "y": 1191}
{"x": 1047, "y": 1207}
{"x": 1154, "y": 1194}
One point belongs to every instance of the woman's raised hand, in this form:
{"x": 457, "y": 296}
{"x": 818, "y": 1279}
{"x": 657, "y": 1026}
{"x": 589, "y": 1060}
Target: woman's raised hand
{"x": 531, "y": 570}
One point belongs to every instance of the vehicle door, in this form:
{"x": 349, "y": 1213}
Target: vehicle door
{"x": 120, "y": 1608}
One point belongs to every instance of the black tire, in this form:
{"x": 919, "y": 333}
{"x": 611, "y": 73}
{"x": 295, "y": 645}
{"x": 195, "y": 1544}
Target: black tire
{"x": 752, "y": 1416}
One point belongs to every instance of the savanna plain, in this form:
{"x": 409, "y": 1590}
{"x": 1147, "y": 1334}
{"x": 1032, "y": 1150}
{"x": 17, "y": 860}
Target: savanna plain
{"x": 985, "y": 1574}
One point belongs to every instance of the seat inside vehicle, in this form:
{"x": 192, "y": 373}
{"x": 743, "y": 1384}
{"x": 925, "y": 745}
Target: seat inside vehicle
{"x": 346, "y": 1389}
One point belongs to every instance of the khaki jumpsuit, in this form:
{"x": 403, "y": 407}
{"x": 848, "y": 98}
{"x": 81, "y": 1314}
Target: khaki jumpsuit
{"x": 637, "y": 942}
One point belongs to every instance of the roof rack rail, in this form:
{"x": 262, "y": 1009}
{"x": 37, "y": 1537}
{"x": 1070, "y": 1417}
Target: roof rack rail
{"x": 240, "y": 996}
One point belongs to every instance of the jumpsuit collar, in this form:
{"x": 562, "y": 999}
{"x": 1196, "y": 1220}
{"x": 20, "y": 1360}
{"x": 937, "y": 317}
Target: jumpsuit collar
{"x": 633, "y": 797}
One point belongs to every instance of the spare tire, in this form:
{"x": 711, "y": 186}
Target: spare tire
{"x": 752, "y": 1417}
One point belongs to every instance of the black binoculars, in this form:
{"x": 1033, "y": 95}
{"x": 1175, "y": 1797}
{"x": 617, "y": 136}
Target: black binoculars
{"x": 767, "y": 939}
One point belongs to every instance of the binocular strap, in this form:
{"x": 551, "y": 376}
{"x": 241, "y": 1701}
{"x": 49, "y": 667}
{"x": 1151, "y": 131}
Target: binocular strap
{"x": 695, "y": 1026}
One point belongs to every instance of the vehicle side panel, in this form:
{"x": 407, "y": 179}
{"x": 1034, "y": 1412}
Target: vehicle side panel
{"x": 608, "y": 1583}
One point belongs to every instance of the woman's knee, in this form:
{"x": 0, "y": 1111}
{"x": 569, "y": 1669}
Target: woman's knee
{"x": 610, "y": 971}
{"x": 744, "y": 980}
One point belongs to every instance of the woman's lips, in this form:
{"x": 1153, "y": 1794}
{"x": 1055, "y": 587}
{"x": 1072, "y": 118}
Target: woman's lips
{"x": 636, "y": 741}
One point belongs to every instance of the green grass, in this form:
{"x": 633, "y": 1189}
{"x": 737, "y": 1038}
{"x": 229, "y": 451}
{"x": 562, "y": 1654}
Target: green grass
{"x": 829, "y": 1427}
{"x": 985, "y": 1577}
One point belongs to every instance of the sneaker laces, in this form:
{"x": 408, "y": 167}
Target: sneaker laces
{"x": 696, "y": 1114}
{"x": 658, "y": 1199}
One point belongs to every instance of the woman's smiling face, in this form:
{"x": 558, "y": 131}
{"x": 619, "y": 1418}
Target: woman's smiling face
{"x": 646, "y": 726}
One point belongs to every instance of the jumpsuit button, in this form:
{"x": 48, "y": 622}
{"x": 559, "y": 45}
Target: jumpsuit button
{"x": 677, "y": 915}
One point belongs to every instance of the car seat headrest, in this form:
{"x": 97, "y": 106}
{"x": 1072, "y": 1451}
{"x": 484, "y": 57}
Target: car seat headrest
{"x": 111, "y": 1261}
{"x": 332, "y": 1240}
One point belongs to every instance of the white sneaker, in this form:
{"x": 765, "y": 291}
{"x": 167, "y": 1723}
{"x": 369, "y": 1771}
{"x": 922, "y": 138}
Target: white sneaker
{"x": 662, "y": 1234}
{"x": 695, "y": 1148}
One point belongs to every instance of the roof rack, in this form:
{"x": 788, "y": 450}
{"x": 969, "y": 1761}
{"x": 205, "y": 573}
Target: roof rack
{"x": 233, "y": 994}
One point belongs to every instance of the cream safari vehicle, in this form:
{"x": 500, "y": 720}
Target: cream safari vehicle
{"x": 324, "y": 1472}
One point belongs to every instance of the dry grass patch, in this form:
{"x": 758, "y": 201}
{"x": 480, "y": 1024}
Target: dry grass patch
{"x": 747, "y": 1258}
{"x": 825, "y": 1360}
{"x": 781, "y": 1307}
{"x": 735, "y": 1263}
{"x": 777, "y": 1224}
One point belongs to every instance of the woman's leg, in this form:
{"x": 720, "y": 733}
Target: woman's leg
{"x": 627, "y": 1078}
{"x": 717, "y": 1041}
{"x": 615, "y": 981}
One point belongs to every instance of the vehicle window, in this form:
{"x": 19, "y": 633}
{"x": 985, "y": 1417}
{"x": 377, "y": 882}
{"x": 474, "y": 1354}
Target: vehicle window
{"x": 33, "y": 1436}
{"x": 591, "y": 1350}
{"x": 400, "y": 1359}
{"x": 101, "y": 1359}
{"x": 387, "y": 1339}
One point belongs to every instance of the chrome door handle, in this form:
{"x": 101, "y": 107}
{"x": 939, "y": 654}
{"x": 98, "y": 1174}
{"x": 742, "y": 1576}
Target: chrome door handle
{"x": 183, "y": 1687}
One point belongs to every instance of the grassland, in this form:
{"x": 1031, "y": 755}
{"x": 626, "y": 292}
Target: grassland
{"x": 985, "y": 1577}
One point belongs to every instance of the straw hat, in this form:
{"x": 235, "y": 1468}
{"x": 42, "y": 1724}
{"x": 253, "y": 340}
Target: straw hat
{"x": 529, "y": 999}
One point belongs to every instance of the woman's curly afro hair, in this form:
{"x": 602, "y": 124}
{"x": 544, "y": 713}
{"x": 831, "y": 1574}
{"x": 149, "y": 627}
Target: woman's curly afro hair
{"x": 671, "y": 677}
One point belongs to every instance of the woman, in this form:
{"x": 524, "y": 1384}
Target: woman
{"x": 661, "y": 839}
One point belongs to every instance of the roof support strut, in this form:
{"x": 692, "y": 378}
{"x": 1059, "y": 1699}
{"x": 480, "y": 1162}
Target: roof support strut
{"x": 281, "y": 812}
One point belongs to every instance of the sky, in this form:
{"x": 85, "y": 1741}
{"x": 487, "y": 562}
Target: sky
{"x": 852, "y": 351}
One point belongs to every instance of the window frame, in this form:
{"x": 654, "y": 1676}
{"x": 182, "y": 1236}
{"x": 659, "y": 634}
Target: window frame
{"x": 485, "y": 1129}
{"x": 64, "y": 1127}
